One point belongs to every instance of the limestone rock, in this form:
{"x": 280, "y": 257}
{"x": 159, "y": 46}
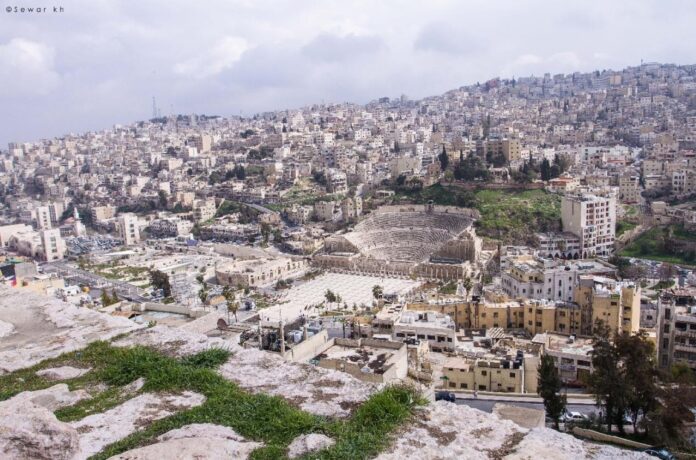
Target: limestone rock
{"x": 307, "y": 443}
{"x": 29, "y": 429}
{"x": 199, "y": 440}
{"x": 52, "y": 398}
{"x": 62, "y": 373}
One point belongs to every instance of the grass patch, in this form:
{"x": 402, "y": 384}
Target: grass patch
{"x": 682, "y": 233}
{"x": 259, "y": 417}
{"x": 449, "y": 288}
{"x": 111, "y": 397}
{"x": 663, "y": 285}
{"x": 650, "y": 245}
{"x": 623, "y": 226}
{"x": 510, "y": 215}
{"x": 363, "y": 436}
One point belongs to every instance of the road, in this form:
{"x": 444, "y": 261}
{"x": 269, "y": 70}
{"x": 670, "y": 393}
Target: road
{"x": 260, "y": 208}
{"x": 487, "y": 405}
{"x": 123, "y": 289}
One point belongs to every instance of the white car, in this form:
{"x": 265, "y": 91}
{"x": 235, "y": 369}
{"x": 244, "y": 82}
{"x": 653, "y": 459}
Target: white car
{"x": 573, "y": 417}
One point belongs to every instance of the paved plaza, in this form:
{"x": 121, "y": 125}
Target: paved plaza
{"x": 353, "y": 289}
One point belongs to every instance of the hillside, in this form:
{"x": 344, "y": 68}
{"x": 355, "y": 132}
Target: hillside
{"x": 512, "y": 216}
{"x": 152, "y": 393}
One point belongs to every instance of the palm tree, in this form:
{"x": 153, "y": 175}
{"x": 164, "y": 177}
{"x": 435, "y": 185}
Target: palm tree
{"x": 468, "y": 284}
{"x": 232, "y": 307}
{"x": 203, "y": 295}
{"x": 377, "y": 291}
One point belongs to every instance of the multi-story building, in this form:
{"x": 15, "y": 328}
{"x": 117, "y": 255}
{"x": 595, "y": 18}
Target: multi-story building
{"x": 509, "y": 148}
{"x": 487, "y": 374}
{"x": 129, "y": 228}
{"x": 528, "y": 277}
{"x": 558, "y": 245}
{"x": 629, "y": 188}
{"x": 204, "y": 210}
{"x": 171, "y": 227}
{"x": 53, "y": 245}
{"x": 676, "y": 327}
{"x": 259, "y": 272}
{"x": 592, "y": 218}
{"x": 43, "y": 218}
{"x": 411, "y": 326}
{"x": 100, "y": 213}
{"x": 615, "y": 303}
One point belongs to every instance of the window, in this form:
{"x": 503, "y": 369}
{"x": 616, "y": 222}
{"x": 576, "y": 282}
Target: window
{"x": 464, "y": 385}
{"x": 512, "y": 375}
{"x": 484, "y": 373}
{"x": 452, "y": 385}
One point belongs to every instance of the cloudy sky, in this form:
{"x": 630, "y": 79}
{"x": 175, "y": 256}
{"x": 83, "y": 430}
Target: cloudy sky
{"x": 101, "y": 61}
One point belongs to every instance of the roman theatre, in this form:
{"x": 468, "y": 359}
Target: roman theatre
{"x": 417, "y": 241}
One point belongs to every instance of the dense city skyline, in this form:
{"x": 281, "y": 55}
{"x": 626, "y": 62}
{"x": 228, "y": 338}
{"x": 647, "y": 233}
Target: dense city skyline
{"x": 101, "y": 63}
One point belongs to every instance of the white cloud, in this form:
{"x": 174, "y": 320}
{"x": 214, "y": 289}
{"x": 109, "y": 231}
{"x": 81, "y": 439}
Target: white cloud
{"x": 26, "y": 68}
{"x": 223, "y": 55}
{"x": 109, "y": 57}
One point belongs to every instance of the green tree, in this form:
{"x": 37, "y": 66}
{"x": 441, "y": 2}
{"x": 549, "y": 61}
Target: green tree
{"x": 203, "y": 294}
{"x": 607, "y": 381}
{"x": 114, "y": 297}
{"x": 265, "y": 233}
{"x": 330, "y": 296}
{"x": 105, "y": 299}
{"x": 549, "y": 389}
{"x": 377, "y": 291}
{"x": 444, "y": 159}
{"x": 160, "y": 280}
{"x": 639, "y": 371}
{"x": 163, "y": 199}
{"x": 545, "y": 170}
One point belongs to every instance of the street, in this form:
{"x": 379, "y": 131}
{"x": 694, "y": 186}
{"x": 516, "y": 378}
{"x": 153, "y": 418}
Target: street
{"x": 487, "y": 405}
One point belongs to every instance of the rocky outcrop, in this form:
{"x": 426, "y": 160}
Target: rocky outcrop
{"x": 99, "y": 430}
{"x": 307, "y": 443}
{"x": 30, "y": 430}
{"x": 200, "y": 440}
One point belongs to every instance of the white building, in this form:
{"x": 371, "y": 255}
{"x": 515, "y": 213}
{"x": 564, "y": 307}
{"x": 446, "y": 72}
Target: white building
{"x": 129, "y": 228}
{"x": 53, "y": 245}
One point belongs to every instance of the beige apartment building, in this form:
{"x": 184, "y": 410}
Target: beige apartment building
{"x": 491, "y": 374}
{"x": 592, "y": 218}
{"x": 629, "y": 188}
{"x": 102, "y": 213}
{"x": 616, "y": 303}
{"x": 129, "y": 229}
{"x": 204, "y": 210}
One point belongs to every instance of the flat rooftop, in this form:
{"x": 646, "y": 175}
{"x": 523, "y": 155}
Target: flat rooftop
{"x": 372, "y": 358}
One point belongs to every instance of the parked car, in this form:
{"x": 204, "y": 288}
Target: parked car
{"x": 569, "y": 416}
{"x": 660, "y": 452}
{"x": 445, "y": 396}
